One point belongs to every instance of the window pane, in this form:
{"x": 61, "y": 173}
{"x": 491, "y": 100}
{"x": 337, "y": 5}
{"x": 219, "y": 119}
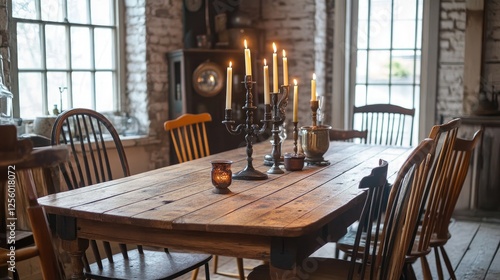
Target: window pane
{"x": 404, "y": 34}
{"x": 55, "y": 42}
{"x": 402, "y": 96}
{"x": 361, "y": 67}
{"x": 378, "y": 66}
{"x": 80, "y": 48}
{"x": 77, "y": 11}
{"x": 29, "y": 46}
{"x": 377, "y": 94}
{"x": 103, "y": 39}
{"x": 24, "y": 9}
{"x": 30, "y": 95}
{"x": 360, "y": 98}
{"x": 380, "y": 24}
{"x": 102, "y": 12}
{"x": 104, "y": 91}
{"x": 57, "y": 92}
{"x": 52, "y": 10}
{"x": 82, "y": 90}
{"x": 402, "y": 66}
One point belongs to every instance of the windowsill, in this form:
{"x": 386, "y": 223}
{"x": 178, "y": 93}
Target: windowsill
{"x": 138, "y": 140}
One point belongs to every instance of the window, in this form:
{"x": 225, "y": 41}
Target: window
{"x": 66, "y": 55}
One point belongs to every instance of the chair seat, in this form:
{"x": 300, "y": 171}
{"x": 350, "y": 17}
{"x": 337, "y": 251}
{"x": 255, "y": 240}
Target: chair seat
{"x": 150, "y": 265}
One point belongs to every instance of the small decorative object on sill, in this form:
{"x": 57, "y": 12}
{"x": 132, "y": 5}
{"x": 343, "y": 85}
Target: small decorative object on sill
{"x": 221, "y": 176}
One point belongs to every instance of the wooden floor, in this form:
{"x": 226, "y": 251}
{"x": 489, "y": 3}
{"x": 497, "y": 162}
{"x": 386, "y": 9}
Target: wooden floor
{"x": 473, "y": 251}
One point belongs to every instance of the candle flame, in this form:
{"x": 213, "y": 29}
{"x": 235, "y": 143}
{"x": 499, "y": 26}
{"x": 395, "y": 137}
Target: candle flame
{"x": 314, "y": 76}
{"x": 274, "y": 47}
{"x": 265, "y": 62}
{"x": 230, "y": 64}
{"x": 245, "y": 42}
{"x": 295, "y": 81}
{"x": 284, "y": 53}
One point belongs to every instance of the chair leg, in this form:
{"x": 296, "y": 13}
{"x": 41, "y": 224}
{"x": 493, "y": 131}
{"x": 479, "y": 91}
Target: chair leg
{"x": 438, "y": 264}
{"x": 216, "y": 263}
{"x": 426, "y": 271}
{"x": 207, "y": 272}
{"x": 241, "y": 272}
{"x": 194, "y": 274}
{"x": 448, "y": 263}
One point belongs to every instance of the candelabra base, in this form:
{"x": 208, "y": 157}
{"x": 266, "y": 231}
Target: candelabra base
{"x": 249, "y": 173}
{"x": 269, "y": 161}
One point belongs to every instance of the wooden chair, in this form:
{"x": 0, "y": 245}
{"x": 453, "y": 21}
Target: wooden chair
{"x": 385, "y": 257}
{"x": 189, "y": 137}
{"x": 455, "y": 174}
{"x": 92, "y": 140}
{"x": 20, "y": 155}
{"x": 387, "y": 124}
{"x": 444, "y": 138}
{"x": 348, "y": 135}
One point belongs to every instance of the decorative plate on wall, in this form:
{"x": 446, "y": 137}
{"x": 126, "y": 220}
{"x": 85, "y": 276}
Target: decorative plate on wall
{"x": 208, "y": 79}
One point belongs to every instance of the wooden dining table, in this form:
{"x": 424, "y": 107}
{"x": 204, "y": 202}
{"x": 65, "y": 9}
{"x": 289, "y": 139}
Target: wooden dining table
{"x": 282, "y": 219}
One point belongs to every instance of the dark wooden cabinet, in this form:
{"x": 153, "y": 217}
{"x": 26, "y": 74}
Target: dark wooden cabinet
{"x": 184, "y": 99}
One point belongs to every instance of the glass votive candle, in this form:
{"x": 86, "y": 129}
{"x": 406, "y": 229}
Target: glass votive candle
{"x": 221, "y": 175}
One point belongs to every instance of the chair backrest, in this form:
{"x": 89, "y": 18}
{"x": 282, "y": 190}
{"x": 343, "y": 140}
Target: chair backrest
{"x": 370, "y": 215}
{"x": 455, "y": 175}
{"x": 93, "y": 142}
{"x": 348, "y": 135}
{"x": 189, "y": 136}
{"x": 444, "y": 137}
{"x": 387, "y": 124}
{"x": 402, "y": 212}
{"x": 19, "y": 154}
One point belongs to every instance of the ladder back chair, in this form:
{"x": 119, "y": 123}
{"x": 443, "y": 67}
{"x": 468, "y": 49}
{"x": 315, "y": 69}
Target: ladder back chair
{"x": 387, "y": 124}
{"x": 189, "y": 136}
{"x": 384, "y": 258}
{"x": 16, "y": 156}
{"x": 93, "y": 142}
{"x": 348, "y": 135}
{"x": 455, "y": 174}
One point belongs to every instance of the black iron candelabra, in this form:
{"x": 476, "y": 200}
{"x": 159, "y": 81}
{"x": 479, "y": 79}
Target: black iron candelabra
{"x": 278, "y": 118}
{"x": 251, "y": 131}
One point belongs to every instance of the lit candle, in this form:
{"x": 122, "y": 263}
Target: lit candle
{"x": 313, "y": 88}
{"x": 229, "y": 85}
{"x": 267, "y": 96}
{"x": 295, "y": 101}
{"x": 275, "y": 69}
{"x": 248, "y": 60}
{"x": 285, "y": 69}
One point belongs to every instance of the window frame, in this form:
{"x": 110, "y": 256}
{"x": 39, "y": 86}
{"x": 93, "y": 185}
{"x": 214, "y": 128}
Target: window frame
{"x": 118, "y": 69}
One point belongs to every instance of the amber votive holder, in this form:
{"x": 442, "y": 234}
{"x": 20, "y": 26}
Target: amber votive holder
{"x": 221, "y": 175}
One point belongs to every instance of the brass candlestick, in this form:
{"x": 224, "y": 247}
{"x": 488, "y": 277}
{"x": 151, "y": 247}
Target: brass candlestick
{"x": 251, "y": 131}
{"x": 314, "y": 109}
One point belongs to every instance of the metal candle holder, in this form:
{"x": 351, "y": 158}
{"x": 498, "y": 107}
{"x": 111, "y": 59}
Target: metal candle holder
{"x": 251, "y": 130}
{"x": 278, "y": 117}
{"x": 315, "y": 139}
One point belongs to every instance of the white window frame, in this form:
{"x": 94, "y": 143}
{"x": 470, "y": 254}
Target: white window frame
{"x": 345, "y": 39}
{"x": 119, "y": 60}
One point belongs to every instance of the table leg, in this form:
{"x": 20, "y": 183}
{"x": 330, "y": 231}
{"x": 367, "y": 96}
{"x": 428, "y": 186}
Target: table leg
{"x": 76, "y": 249}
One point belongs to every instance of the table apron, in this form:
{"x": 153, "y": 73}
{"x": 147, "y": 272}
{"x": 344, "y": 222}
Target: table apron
{"x": 226, "y": 244}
